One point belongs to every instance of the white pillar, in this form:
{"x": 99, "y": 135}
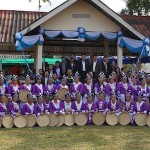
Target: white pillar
{"x": 38, "y": 57}
{"x": 106, "y": 47}
{"x": 120, "y": 56}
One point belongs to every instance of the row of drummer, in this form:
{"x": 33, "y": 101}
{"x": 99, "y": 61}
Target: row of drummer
{"x": 56, "y": 106}
{"x": 134, "y": 86}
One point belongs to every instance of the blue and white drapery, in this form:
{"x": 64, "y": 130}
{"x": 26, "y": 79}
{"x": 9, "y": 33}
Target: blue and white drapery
{"x": 82, "y": 35}
{"x": 135, "y": 46}
{"x": 27, "y": 41}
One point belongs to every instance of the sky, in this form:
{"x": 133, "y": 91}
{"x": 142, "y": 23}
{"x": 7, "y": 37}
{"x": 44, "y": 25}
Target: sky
{"x": 116, "y": 5}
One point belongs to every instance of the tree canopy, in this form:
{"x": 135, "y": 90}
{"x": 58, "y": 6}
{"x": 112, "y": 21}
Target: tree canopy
{"x": 137, "y": 7}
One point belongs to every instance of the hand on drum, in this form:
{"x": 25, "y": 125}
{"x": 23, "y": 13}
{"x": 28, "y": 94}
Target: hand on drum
{"x": 17, "y": 114}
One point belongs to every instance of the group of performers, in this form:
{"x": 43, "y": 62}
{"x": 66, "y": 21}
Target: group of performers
{"x": 130, "y": 95}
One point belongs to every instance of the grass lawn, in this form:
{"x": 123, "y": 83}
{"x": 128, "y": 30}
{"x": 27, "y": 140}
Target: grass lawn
{"x": 76, "y": 138}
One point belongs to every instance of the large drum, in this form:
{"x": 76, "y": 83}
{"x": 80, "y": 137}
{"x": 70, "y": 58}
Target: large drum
{"x": 140, "y": 119}
{"x": 31, "y": 120}
{"x": 23, "y": 95}
{"x": 61, "y": 120}
{"x": 43, "y": 120}
{"x": 148, "y": 120}
{"x": 20, "y": 121}
{"x": 54, "y": 119}
{"x": 61, "y": 93}
{"x": 8, "y": 121}
{"x": 81, "y": 119}
{"x": 111, "y": 119}
{"x": 98, "y": 118}
{"x": 124, "y": 118}
{"x": 69, "y": 120}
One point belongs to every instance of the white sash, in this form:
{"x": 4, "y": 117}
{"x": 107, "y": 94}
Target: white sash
{"x": 56, "y": 105}
{"x": 2, "y": 88}
{"x": 40, "y": 87}
{"x": 15, "y": 88}
{"x": 139, "y": 105}
{"x": 112, "y": 86}
{"x": 125, "y": 85}
{"x": 76, "y": 85}
{"x": 16, "y": 105}
{"x": 90, "y": 106}
{"x": 67, "y": 106}
{"x": 41, "y": 107}
{"x": 4, "y": 106}
{"x": 113, "y": 106}
{"x": 28, "y": 86}
{"x": 78, "y": 105}
{"x": 50, "y": 87}
{"x": 31, "y": 107}
{"x": 89, "y": 87}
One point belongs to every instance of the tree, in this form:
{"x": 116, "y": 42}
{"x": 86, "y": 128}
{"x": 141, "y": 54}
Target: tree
{"x": 136, "y": 7}
{"x": 45, "y": 1}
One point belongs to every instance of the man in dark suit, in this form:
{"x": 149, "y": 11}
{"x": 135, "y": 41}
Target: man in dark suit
{"x": 57, "y": 70}
{"x": 72, "y": 65}
{"x": 106, "y": 66}
{"x": 83, "y": 66}
{"x": 95, "y": 67}
{"x": 63, "y": 66}
{"x": 45, "y": 78}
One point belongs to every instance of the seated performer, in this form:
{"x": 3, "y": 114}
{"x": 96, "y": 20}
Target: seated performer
{"x": 3, "y": 109}
{"x": 56, "y": 105}
{"x": 63, "y": 84}
{"x": 76, "y": 85}
{"x": 67, "y": 104}
{"x": 28, "y": 108}
{"x": 47, "y": 98}
{"x": 102, "y": 105}
{"x": 100, "y": 85}
{"x": 40, "y": 107}
{"x": 140, "y": 105}
{"x": 110, "y": 87}
{"x": 78, "y": 105}
{"x": 87, "y": 88}
{"x": 38, "y": 87}
{"x": 14, "y": 86}
{"x": 27, "y": 85}
{"x": 114, "y": 105}
{"x": 13, "y": 106}
{"x": 50, "y": 86}
{"x": 90, "y": 107}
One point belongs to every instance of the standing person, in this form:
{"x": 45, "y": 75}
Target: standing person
{"x": 106, "y": 66}
{"x": 113, "y": 65}
{"x": 50, "y": 69}
{"x": 83, "y": 67}
{"x": 90, "y": 107}
{"x": 56, "y": 81}
{"x": 38, "y": 87}
{"x": 72, "y": 65}
{"x": 95, "y": 67}
{"x": 14, "y": 86}
{"x": 63, "y": 66}
{"x": 3, "y": 108}
{"x": 56, "y": 69}
{"x": 93, "y": 80}
{"x": 76, "y": 86}
{"x": 3, "y": 87}
{"x": 16, "y": 70}
{"x": 27, "y": 85}
{"x": 50, "y": 87}
{"x": 69, "y": 77}
{"x": 28, "y": 107}
{"x": 45, "y": 78}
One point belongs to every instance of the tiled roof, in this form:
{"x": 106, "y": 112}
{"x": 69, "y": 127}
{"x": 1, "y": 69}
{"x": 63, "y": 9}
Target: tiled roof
{"x": 140, "y": 23}
{"x": 13, "y": 21}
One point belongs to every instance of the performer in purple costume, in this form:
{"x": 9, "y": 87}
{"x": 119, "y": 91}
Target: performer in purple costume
{"x": 3, "y": 109}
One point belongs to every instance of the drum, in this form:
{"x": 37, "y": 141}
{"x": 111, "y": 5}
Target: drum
{"x": 20, "y": 121}
{"x": 81, "y": 119}
{"x": 8, "y": 121}
{"x": 69, "y": 120}
{"x": 98, "y": 118}
{"x": 54, "y": 119}
{"x": 111, "y": 119}
{"x": 124, "y": 118}
{"x": 23, "y": 95}
{"x": 61, "y": 93}
{"x": 61, "y": 120}
{"x": 148, "y": 120}
{"x": 31, "y": 120}
{"x": 140, "y": 119}
{"x": 43, "y": 120}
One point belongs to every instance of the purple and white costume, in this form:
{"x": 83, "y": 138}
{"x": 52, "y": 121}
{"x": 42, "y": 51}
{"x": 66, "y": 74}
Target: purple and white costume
{"x": 14, "y": 108}
{"x": 40, "y": 109}
{"x": 38, "y": 89}
{"x": 51, "y": 88}
{"x": 102, "y": 106}
{"x": 78, "y": 107}
{"x": 28, "y": 109}
{"x": 3, "y": 110}
{"x": 114, "y": 107}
